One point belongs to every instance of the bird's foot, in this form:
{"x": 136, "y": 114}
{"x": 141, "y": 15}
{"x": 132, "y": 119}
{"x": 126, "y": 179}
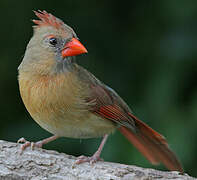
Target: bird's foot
{"x": 93, "y": 159}
{"x": 38, "y": 144}
{"x": 28, "y": 143}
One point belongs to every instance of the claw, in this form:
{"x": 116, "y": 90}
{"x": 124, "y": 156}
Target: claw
{"x": 21, "y": 140}
{"x": 28, "y": 143}
{"x": 93, "y": 159}
{"x": 36, "y": 144}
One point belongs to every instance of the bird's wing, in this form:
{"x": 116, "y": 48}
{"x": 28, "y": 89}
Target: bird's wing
{"x": 110, "y": 106}
{"x": 106, "y": 102}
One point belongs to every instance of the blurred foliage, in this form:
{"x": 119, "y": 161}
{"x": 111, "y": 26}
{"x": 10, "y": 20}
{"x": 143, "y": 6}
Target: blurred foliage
{"x": 145, "y": 50}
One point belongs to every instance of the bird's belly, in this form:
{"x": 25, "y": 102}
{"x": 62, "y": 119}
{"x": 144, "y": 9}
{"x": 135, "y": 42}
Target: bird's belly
{"x": 89, "y": 126}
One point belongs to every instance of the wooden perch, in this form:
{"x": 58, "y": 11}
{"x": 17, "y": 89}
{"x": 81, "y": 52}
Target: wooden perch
{"x": 40, "y": 164}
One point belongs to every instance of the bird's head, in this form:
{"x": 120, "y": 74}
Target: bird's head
{"x": 51, "y": 46}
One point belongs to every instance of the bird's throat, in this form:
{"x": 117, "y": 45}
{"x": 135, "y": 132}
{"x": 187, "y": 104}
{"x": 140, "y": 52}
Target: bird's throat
{"x": 64, "y": 65}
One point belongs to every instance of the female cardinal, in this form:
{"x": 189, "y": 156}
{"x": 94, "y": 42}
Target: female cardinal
{"x": 67, "y": 100}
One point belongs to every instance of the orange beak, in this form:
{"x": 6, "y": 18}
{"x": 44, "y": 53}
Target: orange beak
{"x": 73, "y": 48}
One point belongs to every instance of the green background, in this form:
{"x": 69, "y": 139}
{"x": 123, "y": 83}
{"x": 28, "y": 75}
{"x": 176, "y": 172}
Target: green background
{"x": 145, "y": 50}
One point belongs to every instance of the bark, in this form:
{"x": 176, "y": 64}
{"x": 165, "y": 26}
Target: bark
{"x": 50, "y": 165}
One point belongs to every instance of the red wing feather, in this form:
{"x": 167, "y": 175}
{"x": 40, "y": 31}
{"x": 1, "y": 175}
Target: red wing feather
{"x": 111, "y": 112}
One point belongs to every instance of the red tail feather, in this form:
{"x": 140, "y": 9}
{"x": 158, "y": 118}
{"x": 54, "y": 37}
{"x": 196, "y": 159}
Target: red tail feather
{"x": 151, "y": 144}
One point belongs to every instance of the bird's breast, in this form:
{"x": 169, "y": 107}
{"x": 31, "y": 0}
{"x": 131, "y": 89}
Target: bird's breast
{"x": 57, "y": 103}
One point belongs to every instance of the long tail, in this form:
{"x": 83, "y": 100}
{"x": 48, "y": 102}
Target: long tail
{"x": 152, "y": 145}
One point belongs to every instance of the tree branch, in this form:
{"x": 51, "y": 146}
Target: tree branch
{"x": 51, "y": 165}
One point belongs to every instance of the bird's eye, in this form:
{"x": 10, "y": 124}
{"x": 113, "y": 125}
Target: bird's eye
{"x": 53, "y": 41}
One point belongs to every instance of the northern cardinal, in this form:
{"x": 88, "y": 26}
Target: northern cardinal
{"x": 67, "y": 100}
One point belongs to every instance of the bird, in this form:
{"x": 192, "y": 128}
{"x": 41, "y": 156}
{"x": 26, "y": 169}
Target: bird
{"x": 68, "y": 101}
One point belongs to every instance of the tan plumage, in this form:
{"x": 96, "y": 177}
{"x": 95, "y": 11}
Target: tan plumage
{"x": 67, "y": 100}
{"x": 57, "y": 103}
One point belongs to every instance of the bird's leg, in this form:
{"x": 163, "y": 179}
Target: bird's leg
{"x": 38, "y": 144}
{"x": 96, "y": 155}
